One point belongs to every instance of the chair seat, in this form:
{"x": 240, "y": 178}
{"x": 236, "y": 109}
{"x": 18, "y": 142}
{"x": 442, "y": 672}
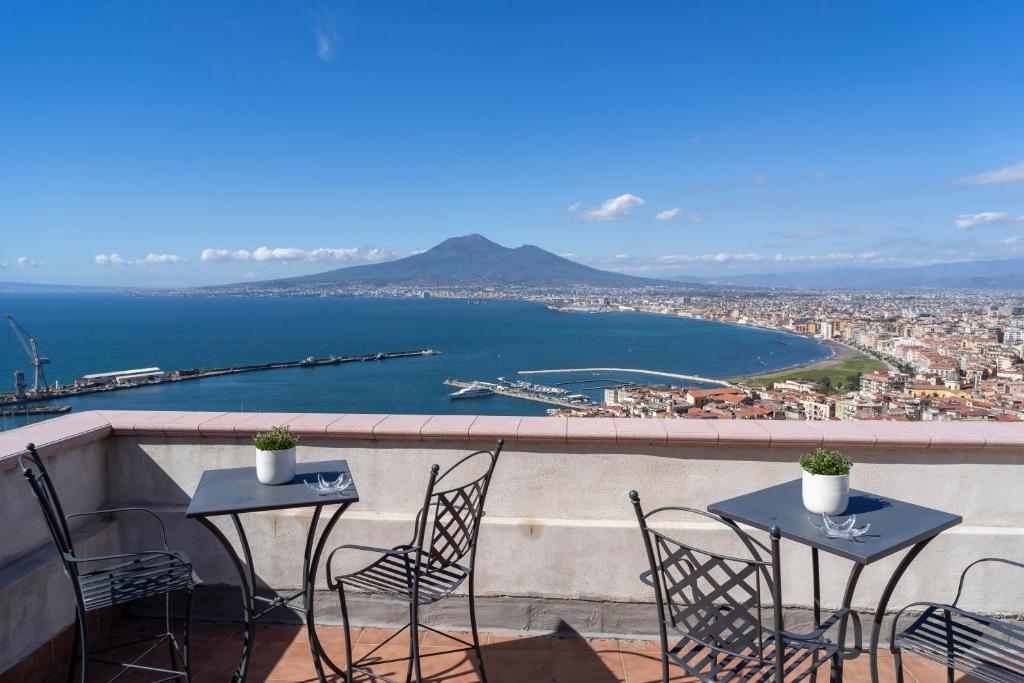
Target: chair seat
{"x": 986, "y": 648}
{"x": 707, "y": 664}
{"x": 132, "y": 579}
{"x": 392, "y": 576}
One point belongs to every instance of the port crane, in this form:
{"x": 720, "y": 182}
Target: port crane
{"x": 28, "y": 342}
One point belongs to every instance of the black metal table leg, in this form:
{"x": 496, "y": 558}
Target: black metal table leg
{"x": 883, "y": 602}
{"x": 310, "y": 564}
{"x": 851, "y": 586}
{"x": 816, "y": 582}
{"x": 247, "y": 583}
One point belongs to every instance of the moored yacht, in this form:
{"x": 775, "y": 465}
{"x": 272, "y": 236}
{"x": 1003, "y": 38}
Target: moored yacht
{"x": 474, "y": 390}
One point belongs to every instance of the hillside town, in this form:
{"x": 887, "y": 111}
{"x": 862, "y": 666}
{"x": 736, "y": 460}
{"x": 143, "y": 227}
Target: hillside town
{"x": 940, "y": 356}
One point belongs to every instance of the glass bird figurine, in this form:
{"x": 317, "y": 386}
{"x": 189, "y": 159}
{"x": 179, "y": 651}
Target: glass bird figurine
{"x": 327, "y": 487}
{"x": 846, "y": 529}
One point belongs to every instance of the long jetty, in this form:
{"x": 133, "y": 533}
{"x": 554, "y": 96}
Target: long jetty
{"x": 200, "y": 373}
{"x": 658, "y": 373}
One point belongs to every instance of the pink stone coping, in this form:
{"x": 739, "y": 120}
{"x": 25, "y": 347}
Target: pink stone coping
{"x": 77, "y": 429}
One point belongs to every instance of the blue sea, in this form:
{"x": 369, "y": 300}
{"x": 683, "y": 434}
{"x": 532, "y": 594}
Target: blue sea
{"x": 97, "y": 333}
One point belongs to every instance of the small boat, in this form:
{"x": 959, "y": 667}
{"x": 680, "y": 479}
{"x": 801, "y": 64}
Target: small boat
{"x": 474, "y": 390}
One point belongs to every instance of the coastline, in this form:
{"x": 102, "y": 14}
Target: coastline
{"x": 839, "y": 353}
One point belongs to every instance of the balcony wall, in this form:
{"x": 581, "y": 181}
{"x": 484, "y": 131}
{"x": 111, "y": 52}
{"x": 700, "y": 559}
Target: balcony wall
{"x": 559, "y": 542}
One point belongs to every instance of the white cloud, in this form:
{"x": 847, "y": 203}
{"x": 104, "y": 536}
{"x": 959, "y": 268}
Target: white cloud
{"x": 969, "y": 221}
{"x": 288, "y": 254}
{"x": 162, "y": 259}
{"x": 1010, "y": 174}
{"x": 721, "y": 261}
{"x": 109, "y": 260}
{"x": 837, "y": 257}
{"x": 574, "y": 207}
{"x": 613, "y": 209}
{"x": 279, "y": 254}
{"x": 668, "y": 214}
{"x": 722, "y": 257}
{"x": 26, "y": 262}
{"x": 151, "y": 259}
{"x": 217, "y": 255}
{"x": 326, "y": 39}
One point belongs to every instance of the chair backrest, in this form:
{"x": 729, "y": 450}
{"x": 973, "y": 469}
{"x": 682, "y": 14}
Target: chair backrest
{"x": 38, "y": 477}
{"x": 454, "y": 513}
{"x": 711, "y": 599}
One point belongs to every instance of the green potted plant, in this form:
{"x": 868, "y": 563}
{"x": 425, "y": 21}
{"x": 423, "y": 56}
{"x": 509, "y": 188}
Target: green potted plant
{"x": 826, "y": 482}
{"x": 275, "y": 457}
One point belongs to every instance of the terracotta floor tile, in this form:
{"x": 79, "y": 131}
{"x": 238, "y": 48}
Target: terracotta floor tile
{"x": 444, "y": 664}
{"x": 580, "y": 644}
{"x": 375, "y": 636}
{"x": 645, "y": 667}
{"x": 639, "y": 645}
{"x": 502, "y": 641}
{"x": 518, "y": 666}
{"x": 431, "y": 639}
{"x": 581, "y": 667}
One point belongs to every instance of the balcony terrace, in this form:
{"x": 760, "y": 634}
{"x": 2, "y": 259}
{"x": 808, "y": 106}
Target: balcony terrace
{"x": 560, "y": 551}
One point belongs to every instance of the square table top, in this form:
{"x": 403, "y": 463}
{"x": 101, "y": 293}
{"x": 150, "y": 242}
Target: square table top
{"x": 237, "y": 490}
{"x": 895, "y": 524}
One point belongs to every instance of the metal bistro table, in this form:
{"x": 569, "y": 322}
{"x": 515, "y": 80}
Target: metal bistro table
{"x": 236, "y": 491}
{"x": 895, "y": 525}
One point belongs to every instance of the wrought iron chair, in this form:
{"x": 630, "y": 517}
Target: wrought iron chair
{"x": 109, "y": 580}
{"x": 987, "y": 648}
{"x": 440, "y": 557}
{"x": 714, "y": 606}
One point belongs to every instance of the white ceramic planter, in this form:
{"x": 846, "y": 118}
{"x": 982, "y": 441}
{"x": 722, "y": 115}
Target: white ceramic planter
{"x": 826, "y": 494}
{"x": 275, "y": 467}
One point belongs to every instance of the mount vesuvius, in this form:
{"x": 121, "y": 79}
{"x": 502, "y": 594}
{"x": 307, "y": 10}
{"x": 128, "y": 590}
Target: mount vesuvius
{"x": 471, "y": 261}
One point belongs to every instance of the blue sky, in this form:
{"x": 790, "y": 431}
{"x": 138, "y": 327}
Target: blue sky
{"x": 190, "y": 143}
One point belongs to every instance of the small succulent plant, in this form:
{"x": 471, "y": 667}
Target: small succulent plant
{"x": 277, "y": 439}
{"x": 824, "y": 461}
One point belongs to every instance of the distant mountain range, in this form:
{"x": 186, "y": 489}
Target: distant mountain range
{"x": 995, "y": 274}
{"x": 471, "y": 261}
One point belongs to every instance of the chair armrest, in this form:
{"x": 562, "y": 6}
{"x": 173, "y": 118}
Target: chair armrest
{"x": 400, "y": 551}
{"x": 163, "y": 529}
{"x": 820, "y": 631}
{"x": 129, "y": 557}
{"x": 1012, "y": 632}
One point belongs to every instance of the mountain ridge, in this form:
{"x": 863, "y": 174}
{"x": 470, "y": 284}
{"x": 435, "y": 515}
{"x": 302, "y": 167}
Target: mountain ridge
{"x": 472, "y": 261}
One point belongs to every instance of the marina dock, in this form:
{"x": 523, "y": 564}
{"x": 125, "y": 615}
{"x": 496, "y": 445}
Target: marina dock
{"x": 19, "y": 410}
{"x": 149, "y": 379}
{"x": 511, "y": 392}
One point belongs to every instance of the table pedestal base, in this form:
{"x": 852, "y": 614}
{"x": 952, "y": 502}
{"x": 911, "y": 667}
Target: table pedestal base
{"x": 247, "y": 580}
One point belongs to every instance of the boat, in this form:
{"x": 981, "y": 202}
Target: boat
{"x": 474, "y": 390}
